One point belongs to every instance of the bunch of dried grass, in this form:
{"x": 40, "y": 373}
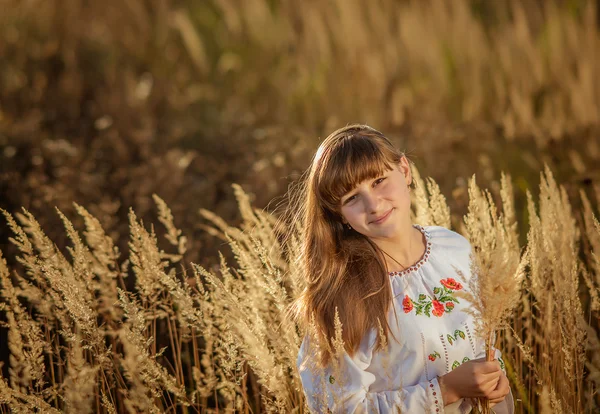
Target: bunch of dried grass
{"x": 495, "y": 260}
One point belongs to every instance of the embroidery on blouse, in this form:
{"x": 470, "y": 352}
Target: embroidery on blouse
{"x": 458, "y": 334}
{"x": 435, "y": 397}
{"x": 424, "y": 352}
{"x": 445, "y": 352}
{"x": 470, "y": 338}
{"x": 433, "y": 356}
{"x": 442, "y": 301}
{"x": 456, "y": 364}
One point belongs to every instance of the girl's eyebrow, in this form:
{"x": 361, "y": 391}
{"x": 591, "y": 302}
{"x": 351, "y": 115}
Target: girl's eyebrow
{"x": 350, "y": 193}
{"x": 347, "y": 195}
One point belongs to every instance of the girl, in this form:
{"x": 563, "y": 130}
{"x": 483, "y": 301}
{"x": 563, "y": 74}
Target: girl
{"x": 367, "y": 266}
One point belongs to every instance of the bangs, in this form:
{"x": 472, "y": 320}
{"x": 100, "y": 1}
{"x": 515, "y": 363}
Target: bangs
{"x": 352, "y": 161}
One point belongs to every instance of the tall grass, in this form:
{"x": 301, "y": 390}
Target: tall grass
{"x": 91, "y": 329}
{"x": 198, "y": 340}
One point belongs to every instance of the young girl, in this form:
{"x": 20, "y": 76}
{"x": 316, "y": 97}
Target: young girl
{"x": 407, "y": 345}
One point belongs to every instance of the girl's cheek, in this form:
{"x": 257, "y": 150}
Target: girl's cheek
{"x": 352, "y": 213}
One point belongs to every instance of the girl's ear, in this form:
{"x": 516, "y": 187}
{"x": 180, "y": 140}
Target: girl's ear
{"x": 404, "y": 168}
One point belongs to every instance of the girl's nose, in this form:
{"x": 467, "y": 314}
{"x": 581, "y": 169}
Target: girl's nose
{"x": 371, "y": 203}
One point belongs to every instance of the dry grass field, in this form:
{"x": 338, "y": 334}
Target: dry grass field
{"x": 117, "y": 117}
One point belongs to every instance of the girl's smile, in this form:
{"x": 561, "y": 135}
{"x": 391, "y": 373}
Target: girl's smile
{"x": 383, "y": 218}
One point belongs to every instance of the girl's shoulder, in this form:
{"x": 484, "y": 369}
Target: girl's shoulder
{"x": 446, "y": 239}
{"x": 452, "y": 251}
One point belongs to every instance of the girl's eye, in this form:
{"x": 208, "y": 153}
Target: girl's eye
{"x": 379, "y": 180}
{"x": 349, "y": 199}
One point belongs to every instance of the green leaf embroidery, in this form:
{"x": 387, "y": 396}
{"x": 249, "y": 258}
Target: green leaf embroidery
{"x": 428, "y": 308}
{"x": 434, "y": 355}
{"x": 465, "y": 359}
{"x": 458, "y": 333}
{"x": 501, "y": 363}
{"x": 436, "y": 290}
{"x": 455, "y": 365}
{"x": 422, "y": 297}
{"x": 447, "y": 298}
{"x": 450, "y": 339}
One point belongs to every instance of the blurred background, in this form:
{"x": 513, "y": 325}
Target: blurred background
{"x": 105, "y": 103}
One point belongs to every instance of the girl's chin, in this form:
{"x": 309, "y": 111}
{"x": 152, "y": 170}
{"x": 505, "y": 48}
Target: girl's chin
{"x": 384, "y": 231}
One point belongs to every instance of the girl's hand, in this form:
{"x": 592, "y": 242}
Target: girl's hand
{"x": 501, "y": 391}
{"x": 476, "y": 378}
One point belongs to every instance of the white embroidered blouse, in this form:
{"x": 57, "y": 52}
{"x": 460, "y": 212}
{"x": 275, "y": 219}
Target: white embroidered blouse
{"x": 435, "y": 336}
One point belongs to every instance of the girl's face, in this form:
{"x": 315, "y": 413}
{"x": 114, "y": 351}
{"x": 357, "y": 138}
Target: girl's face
{"x": 377, "y": 208}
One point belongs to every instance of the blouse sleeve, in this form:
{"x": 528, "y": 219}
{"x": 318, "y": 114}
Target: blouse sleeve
{"x": 349, "y": 393}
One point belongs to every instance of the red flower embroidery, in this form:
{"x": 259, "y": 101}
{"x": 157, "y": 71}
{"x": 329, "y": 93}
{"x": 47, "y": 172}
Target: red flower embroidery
{"x": 451, "y": 284}
{"x": 434, "y": 355}
{"x": 407, "y": 304}
{"x": 438, "y": 308}
{"x": 449, "y": 306}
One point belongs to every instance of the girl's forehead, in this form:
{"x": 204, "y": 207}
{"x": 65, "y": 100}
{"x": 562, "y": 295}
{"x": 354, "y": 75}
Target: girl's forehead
{"x": 368, "y": 179}
{"x": 348, "y": 183}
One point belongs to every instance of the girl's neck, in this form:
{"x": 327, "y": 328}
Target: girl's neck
{"x": 404, "y": 251}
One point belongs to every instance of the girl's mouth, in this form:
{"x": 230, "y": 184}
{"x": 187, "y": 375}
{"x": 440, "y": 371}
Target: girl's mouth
{"x": 382, "y": 218}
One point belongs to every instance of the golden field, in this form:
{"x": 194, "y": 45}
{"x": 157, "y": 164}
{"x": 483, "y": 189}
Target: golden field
{"x": 113, "y": 115}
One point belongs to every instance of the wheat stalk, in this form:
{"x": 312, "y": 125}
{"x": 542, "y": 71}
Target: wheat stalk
{"x": 497, "y": 267}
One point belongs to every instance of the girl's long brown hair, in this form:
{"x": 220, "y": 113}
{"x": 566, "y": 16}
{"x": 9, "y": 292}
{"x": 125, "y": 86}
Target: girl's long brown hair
{"x": 342, "y": 268}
